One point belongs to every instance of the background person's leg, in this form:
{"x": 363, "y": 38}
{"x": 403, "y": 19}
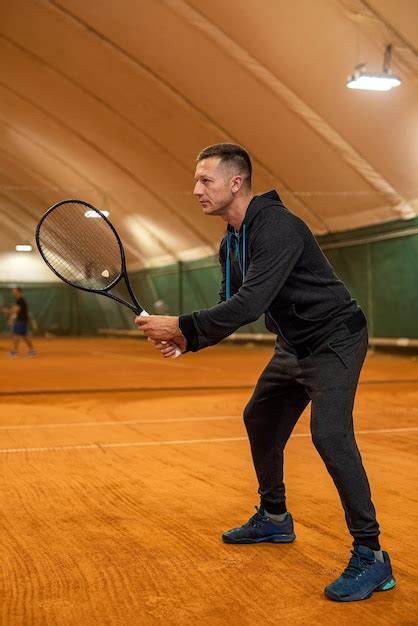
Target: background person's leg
{"x": 28, "y": 342}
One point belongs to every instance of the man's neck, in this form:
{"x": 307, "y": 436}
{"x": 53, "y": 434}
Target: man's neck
{"x": 236, "y": 211}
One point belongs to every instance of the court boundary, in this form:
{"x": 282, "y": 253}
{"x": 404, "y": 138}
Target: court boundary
{"x": 177, "y": 442}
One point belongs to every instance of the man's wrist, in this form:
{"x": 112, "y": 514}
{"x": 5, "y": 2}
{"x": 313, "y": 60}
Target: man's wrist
{"x": 188, "y": 330}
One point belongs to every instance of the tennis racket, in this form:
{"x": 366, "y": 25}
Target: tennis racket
{"x": 82, "y": 247}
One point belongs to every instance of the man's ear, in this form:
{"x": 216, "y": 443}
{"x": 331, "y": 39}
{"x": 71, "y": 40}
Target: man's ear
{"x": 236, "y": 184}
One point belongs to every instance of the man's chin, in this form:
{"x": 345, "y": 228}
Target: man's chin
{"x": 208, "y": 209}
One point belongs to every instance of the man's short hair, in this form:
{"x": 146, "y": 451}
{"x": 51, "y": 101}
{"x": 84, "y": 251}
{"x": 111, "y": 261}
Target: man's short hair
{"x": 230, "y": 154}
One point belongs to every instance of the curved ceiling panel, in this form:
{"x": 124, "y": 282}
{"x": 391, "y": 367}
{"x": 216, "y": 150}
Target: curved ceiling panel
{"x": 111, "y": 102}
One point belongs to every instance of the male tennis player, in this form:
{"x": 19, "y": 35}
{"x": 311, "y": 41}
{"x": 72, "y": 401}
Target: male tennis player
{"x": 272, "y": 264}
{"x": 20, "y": 315}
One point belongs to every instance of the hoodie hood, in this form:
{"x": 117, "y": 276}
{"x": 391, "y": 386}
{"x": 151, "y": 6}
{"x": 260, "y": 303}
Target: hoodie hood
{"x": 238, "y": 239}
{"x": 256, "y": 205}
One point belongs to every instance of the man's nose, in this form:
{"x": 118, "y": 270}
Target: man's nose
{"x": 197, "y": 191}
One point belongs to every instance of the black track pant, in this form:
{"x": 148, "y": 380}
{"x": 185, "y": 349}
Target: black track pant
{"x": 328, "y": 378}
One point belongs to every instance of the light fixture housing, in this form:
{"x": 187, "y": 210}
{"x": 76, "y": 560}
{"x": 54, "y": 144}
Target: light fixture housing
{"x": 372, "y": 82}
{"x": 383, "y": 81}
{"x": 23, "y": 247}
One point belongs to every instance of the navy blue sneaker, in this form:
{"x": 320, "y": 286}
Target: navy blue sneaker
{"x": 260, "y": 528}
{"x": 363, "y": 575}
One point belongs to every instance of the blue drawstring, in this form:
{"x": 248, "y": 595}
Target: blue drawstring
{"x": 228, "y": 258}
{"x": 228, "y": 266}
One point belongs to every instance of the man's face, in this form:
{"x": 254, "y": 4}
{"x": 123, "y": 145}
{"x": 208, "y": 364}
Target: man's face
{"x": 16, "y": 293}
{"x": 214, "y": 186}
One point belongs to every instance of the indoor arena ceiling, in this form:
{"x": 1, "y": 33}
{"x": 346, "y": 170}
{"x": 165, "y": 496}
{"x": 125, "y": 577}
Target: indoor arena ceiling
{"x": 110, "y": 101}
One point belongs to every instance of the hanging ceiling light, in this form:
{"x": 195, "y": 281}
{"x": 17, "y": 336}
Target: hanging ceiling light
{"x": 374, "y": 82}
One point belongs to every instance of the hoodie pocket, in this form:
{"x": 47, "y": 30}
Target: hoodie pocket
{"x": 348, "y": 346}
{"x": 338, "y": 353}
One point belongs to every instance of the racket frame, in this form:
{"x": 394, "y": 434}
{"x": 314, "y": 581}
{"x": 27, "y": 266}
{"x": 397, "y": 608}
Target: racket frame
{"x": 135, "y": 307}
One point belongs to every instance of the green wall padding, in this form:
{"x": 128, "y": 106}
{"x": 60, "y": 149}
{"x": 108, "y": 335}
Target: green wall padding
{"x": 381, "y": 275}
{"x": 395, "y": 288}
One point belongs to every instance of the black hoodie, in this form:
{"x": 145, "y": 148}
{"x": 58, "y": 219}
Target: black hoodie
{"x": 275, "y": 266}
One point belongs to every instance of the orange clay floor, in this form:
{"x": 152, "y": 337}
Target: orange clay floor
{"x": 120, "y": 470}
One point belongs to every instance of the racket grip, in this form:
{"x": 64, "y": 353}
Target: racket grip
{"x": 178, "y": 351}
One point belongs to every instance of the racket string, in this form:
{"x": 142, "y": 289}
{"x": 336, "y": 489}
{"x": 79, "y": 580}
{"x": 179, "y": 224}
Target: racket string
{"x": 84, "y": 251}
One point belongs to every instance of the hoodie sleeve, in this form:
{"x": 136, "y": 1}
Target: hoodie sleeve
{"x": 275, "y": 246}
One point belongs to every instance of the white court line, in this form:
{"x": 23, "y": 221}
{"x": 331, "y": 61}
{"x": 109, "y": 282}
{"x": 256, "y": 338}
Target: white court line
{"x": 173, "y": 420}
{"x": 176, "y": 442}
{"x": 122, "y": 423}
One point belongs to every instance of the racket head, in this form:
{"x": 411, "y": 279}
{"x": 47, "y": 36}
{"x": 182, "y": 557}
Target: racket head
{"x": 88, "y": 254}
{"x": 77, "y": 247}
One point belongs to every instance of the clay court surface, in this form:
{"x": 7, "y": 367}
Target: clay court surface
{"x": 120, "y": 471}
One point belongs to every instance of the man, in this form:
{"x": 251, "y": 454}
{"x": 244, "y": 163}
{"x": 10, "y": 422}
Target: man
{"x": 272, "y": 264}
{"x": 20, "y": 316}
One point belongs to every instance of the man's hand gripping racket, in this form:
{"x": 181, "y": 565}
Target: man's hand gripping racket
{"x": 82, "y": 247}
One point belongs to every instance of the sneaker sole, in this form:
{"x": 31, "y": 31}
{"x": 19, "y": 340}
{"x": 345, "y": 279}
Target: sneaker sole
{"x": 389, "y": 583}
{"x": 269, "y": 539}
